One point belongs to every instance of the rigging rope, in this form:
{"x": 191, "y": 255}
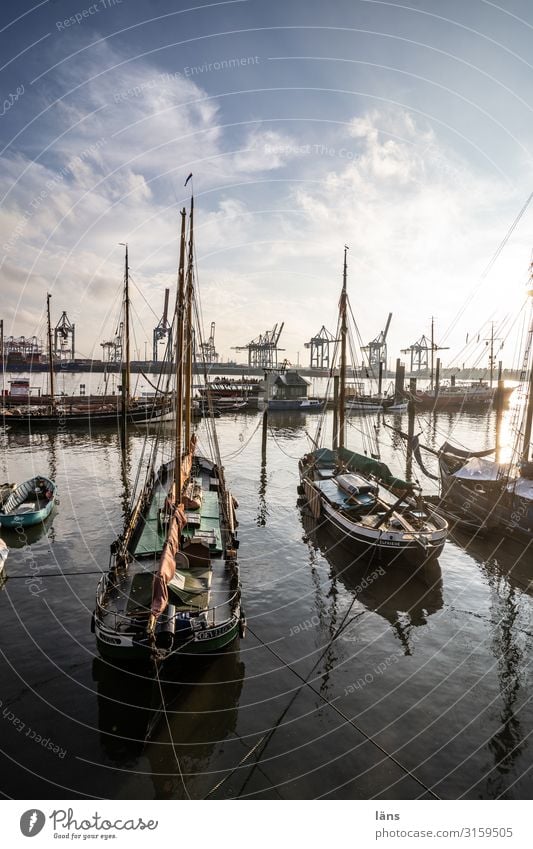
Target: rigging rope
{"x": 344, "y": 716}
{"x": 170, "y": 731}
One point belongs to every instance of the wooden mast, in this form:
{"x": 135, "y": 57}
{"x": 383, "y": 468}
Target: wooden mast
{"x": 341, "y": 413}
{"x": 50, "y": 355}
{"x": 529, "y": 409}
{"x": 180, "y": 315}
{"x": 126, "y": 359}
{"x": 2, "y": 356}
{"x": 189, "y": 326}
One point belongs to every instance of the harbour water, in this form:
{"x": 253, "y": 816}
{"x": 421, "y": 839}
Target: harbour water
{"x": 352, "y": 682}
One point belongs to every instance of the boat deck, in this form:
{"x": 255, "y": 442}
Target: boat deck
{"x": 205, "y": 524}
{"x": 193, "y": 589}
{"x": 198, "y": 586}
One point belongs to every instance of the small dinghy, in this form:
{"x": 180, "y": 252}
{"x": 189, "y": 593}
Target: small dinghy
{"x": 29, "y": 503}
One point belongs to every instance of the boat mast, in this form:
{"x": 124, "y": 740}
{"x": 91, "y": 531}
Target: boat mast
{"x": 529, "y": 409}
{"x": 50, "y": 357}
{"x": 2, "y": 356}
{"x": 126, "y": 359}
{"x": 180, "y": 314}
{"x": 432, "y": 351}
{"x": 189, "y": 326}
{"x": 341, "y": 413}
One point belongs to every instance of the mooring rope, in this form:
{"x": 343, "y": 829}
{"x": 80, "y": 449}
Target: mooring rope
{"x": 346, "y": 717}
{"x": 163, "y": 706}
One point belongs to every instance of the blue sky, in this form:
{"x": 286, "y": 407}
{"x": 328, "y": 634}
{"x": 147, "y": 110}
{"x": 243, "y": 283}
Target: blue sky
{"x": 401, "y": 129}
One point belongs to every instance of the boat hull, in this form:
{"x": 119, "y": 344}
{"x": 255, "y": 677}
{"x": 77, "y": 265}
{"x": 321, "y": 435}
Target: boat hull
{"x": 364, "y": 542}
{"x": 11, "y": 519}
{"x": 34, "y": 423}
{"x": 490, "y": 506}
{"x": 132, "y": 647}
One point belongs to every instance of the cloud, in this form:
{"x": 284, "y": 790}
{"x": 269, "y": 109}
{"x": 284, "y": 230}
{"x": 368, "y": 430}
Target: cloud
{"x": 274, "y": 211}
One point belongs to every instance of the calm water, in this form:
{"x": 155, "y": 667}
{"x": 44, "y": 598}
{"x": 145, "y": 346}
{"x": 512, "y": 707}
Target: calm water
{"x": 432, "y": 669}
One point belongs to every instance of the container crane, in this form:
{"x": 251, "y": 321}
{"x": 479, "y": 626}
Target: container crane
{"x": 263, "y": 351}
{"x": 162, "y": 330}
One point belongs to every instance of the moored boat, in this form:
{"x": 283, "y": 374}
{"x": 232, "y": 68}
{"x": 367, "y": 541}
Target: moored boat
{"x": 173, "y": 584}
{"x": 29, "y": 503}
{"x": 497, "y": 496}
{"x": 374, "y": 514}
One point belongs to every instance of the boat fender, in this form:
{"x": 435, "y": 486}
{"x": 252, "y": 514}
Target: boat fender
{"x": 165, "y": 632}
{"x": 242, "y": 626}
{"x": 93, "y": 625}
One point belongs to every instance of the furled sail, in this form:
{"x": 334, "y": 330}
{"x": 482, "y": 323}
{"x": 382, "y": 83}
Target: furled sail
{"x": 167, "y": 564}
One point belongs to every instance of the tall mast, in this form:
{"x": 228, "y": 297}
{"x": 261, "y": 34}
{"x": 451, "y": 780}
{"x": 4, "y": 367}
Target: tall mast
{"x": 491, "y": 363}
{"x": 126, "y": 358}
{"x": 2, "y": 356}
{"x": 180, "y": 315}
{"x": 50, "y": 356}
{"x": 342, "y": 388}
{"x": 189, "y": 326}
{"x": 432, "y": 350}
{"x": 529, "y": 409}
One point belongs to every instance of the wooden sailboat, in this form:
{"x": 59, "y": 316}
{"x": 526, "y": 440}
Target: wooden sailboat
{"x": 60, "y": 414}
{"x": 375, "y": 514}
{"x": 489, "y": 494}
{"x": 173, "y": 585}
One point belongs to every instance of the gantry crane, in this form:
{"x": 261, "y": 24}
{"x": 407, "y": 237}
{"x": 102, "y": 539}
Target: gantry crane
{"x": 423, "y": 353}
{"x": 377, "y": 348}
{"x": 162, "y": 330}
{"x": 207, "y": 352}
{"x": 112, "y": 350}
{"x": 63, "y": 332}
{"x": 319, "y": 346}
{"x": 263, "y": 351}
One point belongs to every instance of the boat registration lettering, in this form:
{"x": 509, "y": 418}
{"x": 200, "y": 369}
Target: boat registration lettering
{"x": 211, "y": 633}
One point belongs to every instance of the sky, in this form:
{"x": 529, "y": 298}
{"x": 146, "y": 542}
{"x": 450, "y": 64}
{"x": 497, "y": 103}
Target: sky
{"x": 403, "y": 130}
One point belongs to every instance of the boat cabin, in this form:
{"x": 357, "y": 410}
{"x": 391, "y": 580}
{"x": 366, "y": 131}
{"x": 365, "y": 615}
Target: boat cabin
{"x": 290, "y": 385}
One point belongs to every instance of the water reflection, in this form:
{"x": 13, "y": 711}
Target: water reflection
{"x": 406, "y": 598}
{"x": 506, "y": 567}
{"x": 24, "y": 536}
{"x": 201, "y": 710}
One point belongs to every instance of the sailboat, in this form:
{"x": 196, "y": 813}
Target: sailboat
{"x": 376, "y": 514}
{"x": 496, "y": 496}
{"x": 68, "y": 413}
{"x": 173, "y": 584}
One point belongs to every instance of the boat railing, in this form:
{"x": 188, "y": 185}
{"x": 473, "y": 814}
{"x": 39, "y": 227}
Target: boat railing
{"x": 104, "y": 612}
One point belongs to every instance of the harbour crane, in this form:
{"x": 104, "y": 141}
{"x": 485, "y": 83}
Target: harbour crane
{"x": 377, "y": 348}
{"x": 319, "y": 346}
{"x": 162, "y": 330}
{"x": 423, "y": 353}
{"x": 64, "y": 332}
{"x": 263, "y": 351}
{"x": 207, "y": 350}
{"x": 112, "y": 350}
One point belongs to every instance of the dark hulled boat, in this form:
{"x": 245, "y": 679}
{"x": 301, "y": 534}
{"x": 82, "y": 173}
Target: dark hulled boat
{"x": 373, "y": 513}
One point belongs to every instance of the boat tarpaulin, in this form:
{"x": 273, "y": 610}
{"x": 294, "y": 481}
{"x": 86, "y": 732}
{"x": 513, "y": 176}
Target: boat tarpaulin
{"x": 522, "y": 487}
{"x": 448, "y": 448}
{"x": 478, "y": 469}
{"x": 360, "y": 463}
{"x": 167, "y": 564}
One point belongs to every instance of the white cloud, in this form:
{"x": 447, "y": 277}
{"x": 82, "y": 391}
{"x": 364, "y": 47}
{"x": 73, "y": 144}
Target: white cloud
{"x": 421, "y": 224}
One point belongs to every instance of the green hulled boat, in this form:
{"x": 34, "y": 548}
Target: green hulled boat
{"x": 173, "y": 585}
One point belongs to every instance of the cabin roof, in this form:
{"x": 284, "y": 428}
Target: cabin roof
{"x": 291, "y": 378}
